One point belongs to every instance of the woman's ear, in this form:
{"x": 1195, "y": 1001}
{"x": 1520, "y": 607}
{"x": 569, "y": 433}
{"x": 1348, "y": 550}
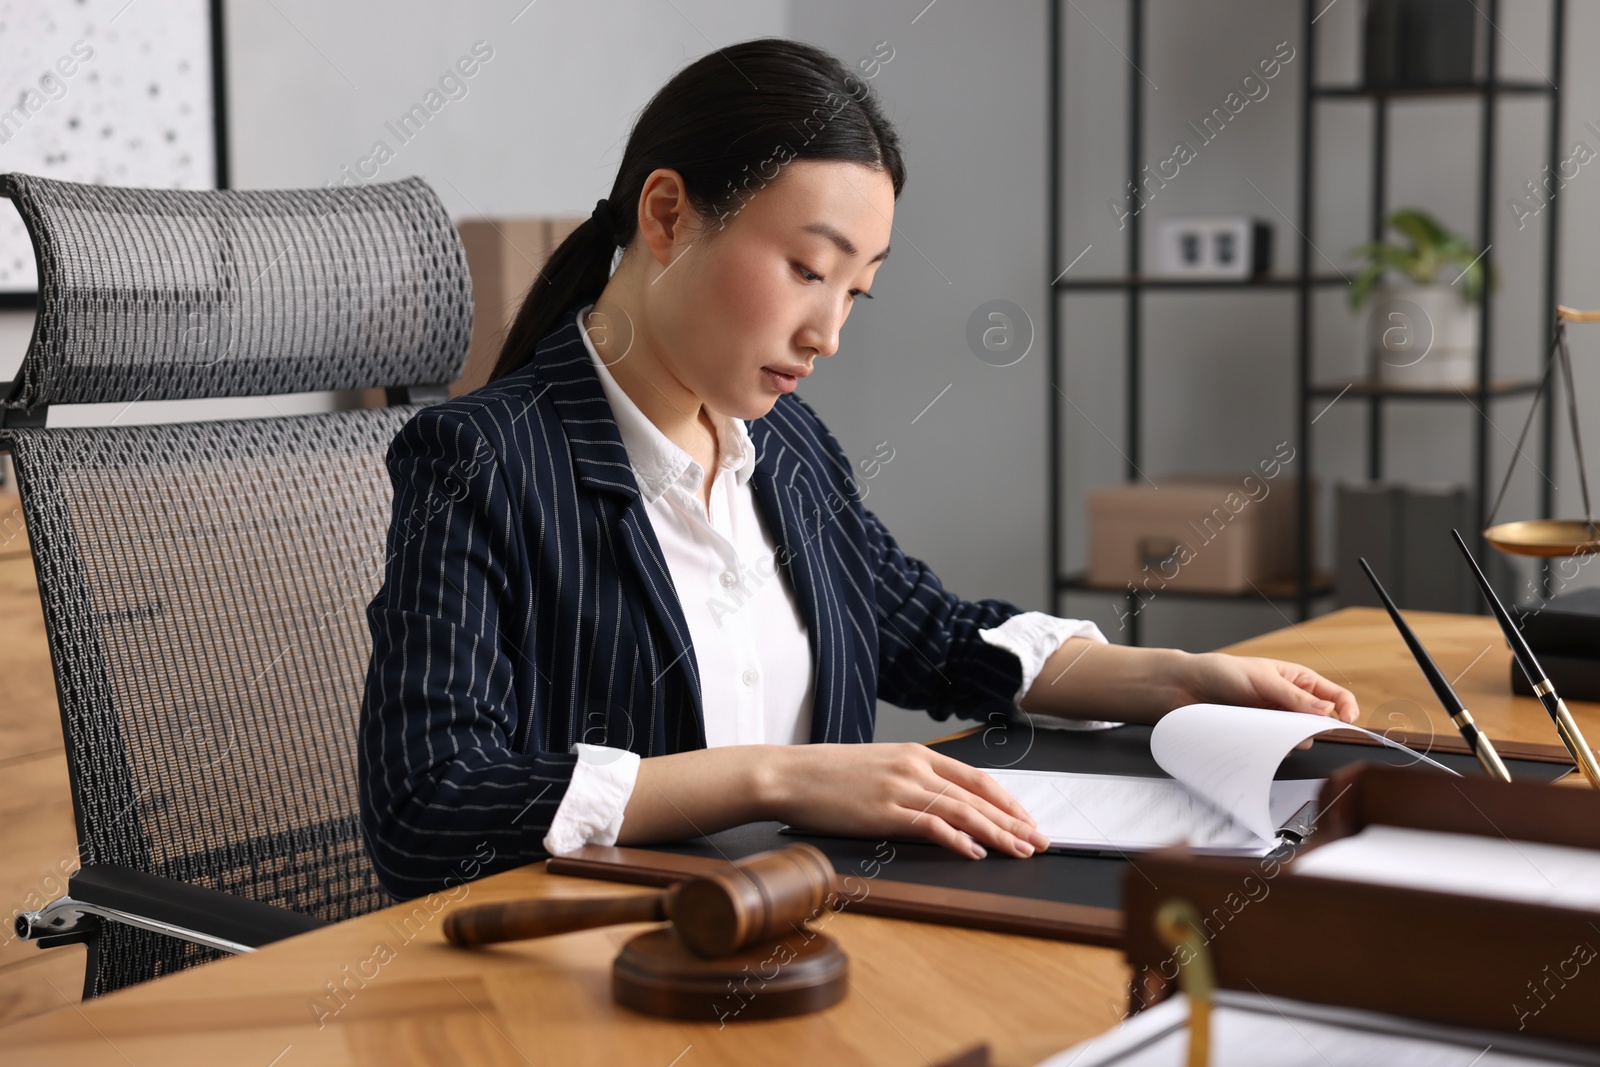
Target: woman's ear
{"x": 665, "y": 216}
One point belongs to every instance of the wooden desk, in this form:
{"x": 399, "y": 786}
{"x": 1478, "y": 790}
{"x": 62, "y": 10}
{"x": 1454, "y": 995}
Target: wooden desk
{"x": 919, "y": 993}
{"x": 1360, "y": 649}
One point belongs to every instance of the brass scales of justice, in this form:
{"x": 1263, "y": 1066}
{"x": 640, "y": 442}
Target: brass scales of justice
{"x": 1550, "y": 537}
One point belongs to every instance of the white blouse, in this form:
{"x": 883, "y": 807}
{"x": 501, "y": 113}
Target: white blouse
{"x": 749, "y": 638}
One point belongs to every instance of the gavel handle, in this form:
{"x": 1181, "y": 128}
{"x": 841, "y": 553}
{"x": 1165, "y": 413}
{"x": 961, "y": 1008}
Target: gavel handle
{"x": 514, "y": 920}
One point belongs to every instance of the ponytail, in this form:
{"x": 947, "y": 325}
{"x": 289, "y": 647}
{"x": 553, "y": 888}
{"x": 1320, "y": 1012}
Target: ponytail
{"x": 718, "y": 122}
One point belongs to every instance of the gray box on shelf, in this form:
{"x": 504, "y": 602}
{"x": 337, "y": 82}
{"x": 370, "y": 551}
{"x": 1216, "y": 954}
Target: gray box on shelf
{"x": 1404, "y": 533}
{"x": 1415, "y": 43}
{"x": 1364, "y": 525}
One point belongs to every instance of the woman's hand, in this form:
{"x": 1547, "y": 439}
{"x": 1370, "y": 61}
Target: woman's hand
{"x": 1258, "y": 682}
{"x": 897, "y": 790}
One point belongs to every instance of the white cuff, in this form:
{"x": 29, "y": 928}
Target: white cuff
{"x": 1033, "y": 636}
{"x": 591, "y": 811}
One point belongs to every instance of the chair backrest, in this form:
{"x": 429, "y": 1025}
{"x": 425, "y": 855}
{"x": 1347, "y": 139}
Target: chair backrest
{"x": 204, "y": 584}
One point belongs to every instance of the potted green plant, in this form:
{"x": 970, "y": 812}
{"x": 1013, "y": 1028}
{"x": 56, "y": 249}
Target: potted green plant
{"x": 1423, "y": 325}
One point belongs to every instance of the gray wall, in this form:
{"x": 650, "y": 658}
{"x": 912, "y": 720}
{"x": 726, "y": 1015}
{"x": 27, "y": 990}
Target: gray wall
{"x": 541, "y": 126}
{"x": 965, "y": 490}
{"x": 538, "y": 130}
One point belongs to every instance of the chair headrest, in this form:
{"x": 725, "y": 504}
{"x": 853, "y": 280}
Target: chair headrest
{"x": 174, "y": 294}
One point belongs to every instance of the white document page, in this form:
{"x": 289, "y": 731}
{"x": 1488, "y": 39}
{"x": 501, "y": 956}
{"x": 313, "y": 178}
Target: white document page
{"x": 1228, "y": 754}
{"x": 1461, "y": 863}
{"x": 1129, "y": 814}
{"x": 1252, "y": 1031}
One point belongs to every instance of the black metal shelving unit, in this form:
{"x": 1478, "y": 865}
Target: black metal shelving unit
{"x": 1306, "y": 587}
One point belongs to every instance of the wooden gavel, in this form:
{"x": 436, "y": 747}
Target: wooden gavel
{"x": 755, "y": 899}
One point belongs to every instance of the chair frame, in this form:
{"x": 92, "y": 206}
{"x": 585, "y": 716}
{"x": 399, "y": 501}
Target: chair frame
{"x": 101, "y": 893}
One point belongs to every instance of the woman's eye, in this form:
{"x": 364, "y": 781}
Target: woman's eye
{"x": 813, "y": 276}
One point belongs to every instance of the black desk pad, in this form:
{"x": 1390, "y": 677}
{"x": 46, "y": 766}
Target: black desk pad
{"x": 1126, "y": 750}
{"x": 1067, "y": 878}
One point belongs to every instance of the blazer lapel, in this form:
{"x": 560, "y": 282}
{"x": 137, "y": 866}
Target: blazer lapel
{"x": 639, "y": 544}
{"x": 562, "y": 365}
{"x": 789, "y": 503}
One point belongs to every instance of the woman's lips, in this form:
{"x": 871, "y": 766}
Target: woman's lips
{"x": 784, "y": 383}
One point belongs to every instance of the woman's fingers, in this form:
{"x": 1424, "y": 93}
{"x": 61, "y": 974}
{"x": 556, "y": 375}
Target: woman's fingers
{"x": 1281, "y": 688}
{"x": 1018, "y": 829}
{"x": 940, "y": 832}
{"x": 992, "y": 828}
{"x": 981, "y": 792}
{"x": 1314, "y": 693}
{"x": 1344, "y": 701}
{"x": 1291, "y": 687}
{"x": 980, "y": 784}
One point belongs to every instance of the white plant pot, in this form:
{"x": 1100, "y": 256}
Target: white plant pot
{"x": 1423, "y": 337}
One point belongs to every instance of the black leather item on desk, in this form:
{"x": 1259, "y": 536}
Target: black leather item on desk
{"x": 1063, "y": 877}
{"x": 1126, "y": 750}
{"x": 1070, "y": 879}
{"x": 1568, "y": 623}
{"x": 1575, "y": 677}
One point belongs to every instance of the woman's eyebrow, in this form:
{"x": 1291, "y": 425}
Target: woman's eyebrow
{"x": 845, "y": 244}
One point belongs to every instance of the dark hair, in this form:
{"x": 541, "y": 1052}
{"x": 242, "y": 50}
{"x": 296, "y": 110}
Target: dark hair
{"x": 723, "y": 123}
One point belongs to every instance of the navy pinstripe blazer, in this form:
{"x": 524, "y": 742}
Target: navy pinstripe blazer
{"x": 526, "y": 606}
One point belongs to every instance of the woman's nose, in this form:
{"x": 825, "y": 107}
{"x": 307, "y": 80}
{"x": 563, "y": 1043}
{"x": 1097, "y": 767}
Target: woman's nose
{"x": 823, "y": 337}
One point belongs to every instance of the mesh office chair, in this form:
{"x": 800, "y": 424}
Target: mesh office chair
{"x": 204, "y": 584}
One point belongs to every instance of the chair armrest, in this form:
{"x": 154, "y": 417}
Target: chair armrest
{"x": 164, "y": 905}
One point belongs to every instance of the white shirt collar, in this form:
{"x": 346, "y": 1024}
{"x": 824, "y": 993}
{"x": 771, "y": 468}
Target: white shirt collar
{"x": 657, "y": 462}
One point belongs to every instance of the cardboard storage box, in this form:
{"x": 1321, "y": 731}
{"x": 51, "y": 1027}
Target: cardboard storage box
{"x": 504, "y": 256}
{"x": 1193, "y": 533}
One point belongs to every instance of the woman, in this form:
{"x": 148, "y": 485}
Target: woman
{"x": 632, "y": 594}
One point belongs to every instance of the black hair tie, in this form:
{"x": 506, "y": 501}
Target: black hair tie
{"x": 607, "y": 219}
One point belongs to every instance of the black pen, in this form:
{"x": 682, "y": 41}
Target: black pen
{"x": 1476, "y": 739}
{"x": 1571, "y": 736}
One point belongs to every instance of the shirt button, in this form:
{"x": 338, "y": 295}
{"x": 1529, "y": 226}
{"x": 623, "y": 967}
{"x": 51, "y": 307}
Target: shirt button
{"x": 729, "y": 579}
{"x": 748, "y": 677}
